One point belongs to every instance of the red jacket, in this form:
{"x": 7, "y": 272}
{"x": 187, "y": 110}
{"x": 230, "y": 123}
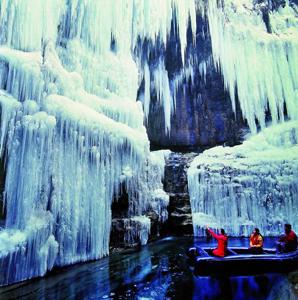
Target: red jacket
{"x": 222, "y": 245}
{"x": 290, "y": 240}
{"x": 291, "y": 237}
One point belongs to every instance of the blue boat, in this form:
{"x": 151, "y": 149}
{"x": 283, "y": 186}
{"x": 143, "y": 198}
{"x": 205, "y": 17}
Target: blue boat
{"x": 240, "y": 261}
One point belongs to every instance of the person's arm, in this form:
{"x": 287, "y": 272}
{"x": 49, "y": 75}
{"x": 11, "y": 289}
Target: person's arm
{"x": 261, "y": 241}
{"x": 250, "y": 242}
{"x": 213, "y": 234}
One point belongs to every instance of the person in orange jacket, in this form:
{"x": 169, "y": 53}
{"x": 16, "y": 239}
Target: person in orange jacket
{"x": 222, "y": 242}
{"x": 256, "y": 242}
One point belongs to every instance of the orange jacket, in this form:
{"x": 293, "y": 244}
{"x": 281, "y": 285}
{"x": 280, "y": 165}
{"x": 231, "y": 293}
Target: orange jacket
{"x": 222, "y": 245}
{"x": 256, "y": 241}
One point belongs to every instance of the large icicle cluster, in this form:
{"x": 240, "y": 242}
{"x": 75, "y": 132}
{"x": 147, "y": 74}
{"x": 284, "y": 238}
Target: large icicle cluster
{"x": 71, "y": 129}
{"x": 255, "y": 48}
{"x": 250, "y": 185}
{"x": 259, "y": 63}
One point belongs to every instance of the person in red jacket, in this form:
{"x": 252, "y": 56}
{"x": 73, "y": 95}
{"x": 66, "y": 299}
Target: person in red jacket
{"x": 222, "y": 242}
{"x": 287, "y": 242}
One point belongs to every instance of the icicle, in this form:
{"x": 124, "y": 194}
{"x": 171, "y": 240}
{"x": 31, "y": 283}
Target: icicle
{"x": 164, "y": 95}
{"x": 147, "y": 92}
{"x": 18, "y": 30}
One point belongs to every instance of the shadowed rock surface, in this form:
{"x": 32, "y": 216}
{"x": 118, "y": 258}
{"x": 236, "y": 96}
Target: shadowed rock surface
{"x": 180, "y": 218}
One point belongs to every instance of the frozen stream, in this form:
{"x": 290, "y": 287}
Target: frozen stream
{"x": 157, "y": 271}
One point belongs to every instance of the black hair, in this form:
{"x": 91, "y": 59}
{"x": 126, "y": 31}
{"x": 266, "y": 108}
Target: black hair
{"x": 257, "y": 230}
{"x": 288, "y": 226}
{"x": 222, "y": 231}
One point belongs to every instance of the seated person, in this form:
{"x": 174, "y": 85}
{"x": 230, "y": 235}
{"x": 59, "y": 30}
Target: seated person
{"x": 222, "y": 241}
{"x": 287, "y": 242}
{"x": 256, "y": 242}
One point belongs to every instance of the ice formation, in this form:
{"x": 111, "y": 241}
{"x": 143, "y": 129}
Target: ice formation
{"x": 258, "y": 61}
{"x": 160, "y": 199}
{"x": 137, "y": 229}
{"x": 246, "y": 186}
{"x": 72, "y": 131}
{"x": 258, "y": 66}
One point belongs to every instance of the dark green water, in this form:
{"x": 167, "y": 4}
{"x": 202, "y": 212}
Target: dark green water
{"x": 157, "y": 271}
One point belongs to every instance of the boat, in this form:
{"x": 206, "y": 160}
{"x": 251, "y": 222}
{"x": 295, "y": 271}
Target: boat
{"x": 240, "y": 262}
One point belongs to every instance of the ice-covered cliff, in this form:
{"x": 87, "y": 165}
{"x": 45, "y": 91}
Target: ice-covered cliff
{"x": 246, "y": 48}
{"x": 254, "y": 45}
{"x": 72, "y": 134}
{"x": 246, "y": 186}
{"x": 72, "y": 131}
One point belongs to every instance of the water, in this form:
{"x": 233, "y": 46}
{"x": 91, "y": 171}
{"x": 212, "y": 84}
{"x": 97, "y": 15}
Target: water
{"x": 156, "y": 271}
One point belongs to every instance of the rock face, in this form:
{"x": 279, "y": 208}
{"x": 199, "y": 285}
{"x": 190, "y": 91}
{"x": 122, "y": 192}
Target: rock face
{"x": 203, "y": 116}
{"x": 180, "y": 217}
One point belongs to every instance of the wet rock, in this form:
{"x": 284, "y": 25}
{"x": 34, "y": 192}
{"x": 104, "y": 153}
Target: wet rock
{"x": 180, "y": 217}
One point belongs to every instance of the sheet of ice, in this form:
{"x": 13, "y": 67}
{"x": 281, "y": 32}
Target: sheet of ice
{"x": 250, "y": 185}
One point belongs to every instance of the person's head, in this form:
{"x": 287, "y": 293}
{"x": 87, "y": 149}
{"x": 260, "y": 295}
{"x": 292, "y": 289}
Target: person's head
{"x": 257, "y": 231}
{"x": 288, "y": 228}
{"x": 222, "y": 231}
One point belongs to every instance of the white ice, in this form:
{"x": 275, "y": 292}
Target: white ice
{"x": 250, "y": 185}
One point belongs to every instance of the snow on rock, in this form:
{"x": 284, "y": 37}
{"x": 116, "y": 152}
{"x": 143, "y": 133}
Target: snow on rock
{"x": 250, "y": 185}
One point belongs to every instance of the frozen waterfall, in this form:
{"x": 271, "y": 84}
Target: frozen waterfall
{"x": 72, "y": 131}
{"x": 246, "y": 186}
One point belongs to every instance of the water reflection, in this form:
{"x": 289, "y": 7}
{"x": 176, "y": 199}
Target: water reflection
{"x": 249, "y": 287}
{"x": 157, "y": 271}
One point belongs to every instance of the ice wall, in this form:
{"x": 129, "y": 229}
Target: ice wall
{"x": 71, "y": 129}
{"x": 246, "y": 186}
